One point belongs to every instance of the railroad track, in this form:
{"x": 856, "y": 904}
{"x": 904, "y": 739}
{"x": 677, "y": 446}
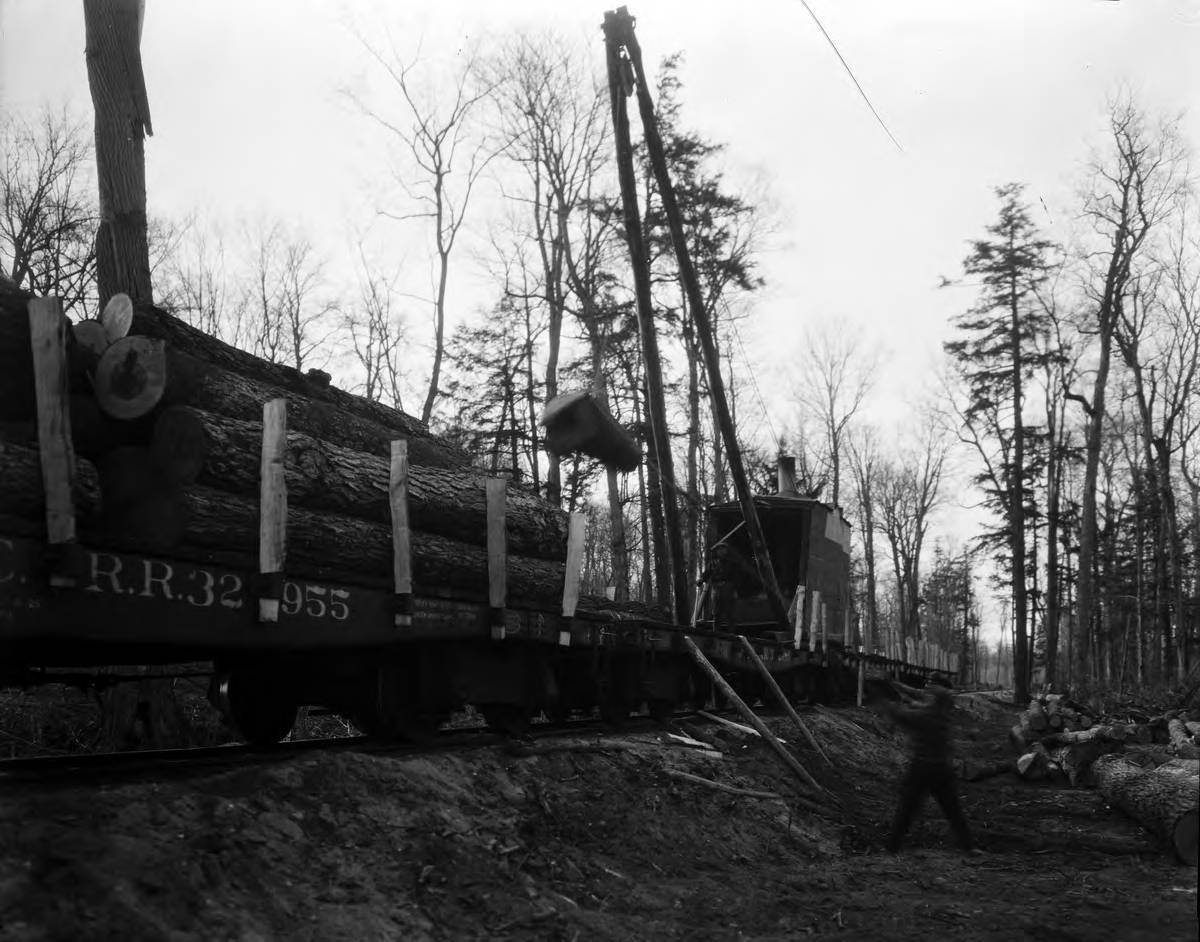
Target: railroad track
{"x": 97, "y": 768}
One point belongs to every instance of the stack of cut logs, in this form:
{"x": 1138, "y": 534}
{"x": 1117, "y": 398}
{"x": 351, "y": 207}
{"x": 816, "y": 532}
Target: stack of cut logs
{"x": 166, "y": 422}
{"x": 1150, "y": 770}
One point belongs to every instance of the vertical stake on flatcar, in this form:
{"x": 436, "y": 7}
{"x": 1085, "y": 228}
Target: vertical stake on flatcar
{"x": 812, "y": 619}
{"x": 48, "y": 343}
{"x": 497, "y": 551}
{"x": 798, "y": 617}
{"x": 575, "y": 534}
{"x": 272, "y": 510}
{"x": 401, "y": 539}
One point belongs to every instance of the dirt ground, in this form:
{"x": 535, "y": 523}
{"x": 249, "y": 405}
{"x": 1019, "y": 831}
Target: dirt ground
{"x": 582, "y": 845}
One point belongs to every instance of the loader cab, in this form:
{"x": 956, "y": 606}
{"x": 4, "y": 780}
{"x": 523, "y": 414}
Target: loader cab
{"x": 809, "y": 543}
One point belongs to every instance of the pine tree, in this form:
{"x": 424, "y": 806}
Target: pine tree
{"x": 996, "y": 353}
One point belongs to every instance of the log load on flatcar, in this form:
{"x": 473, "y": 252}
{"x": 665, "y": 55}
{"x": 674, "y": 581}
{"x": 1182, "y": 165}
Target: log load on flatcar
{"x": 139, "y": 534}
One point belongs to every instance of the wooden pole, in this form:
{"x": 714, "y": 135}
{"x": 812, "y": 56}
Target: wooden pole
{"x": 618, "y": 28}
{"x": 497, "y": 552}
{"x": 118, "y": 88}
{"x": 656, "y": 406}
{"x": 272, "y": 510}
{"x": 861, "y": 679}
{"x": 576, "y": 530}
{"x": 402, "y": 580}
{"x": 750, "y": 716}
{"x": 780, "y": 698}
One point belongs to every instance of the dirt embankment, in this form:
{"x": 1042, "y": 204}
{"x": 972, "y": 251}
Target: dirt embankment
{"x": 581, "y": 845}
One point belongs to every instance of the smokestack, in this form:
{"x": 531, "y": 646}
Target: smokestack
{"x": 787, "y": 476}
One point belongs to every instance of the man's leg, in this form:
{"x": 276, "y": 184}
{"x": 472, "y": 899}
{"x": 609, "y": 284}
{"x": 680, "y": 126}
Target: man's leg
{"x": 912, "y": 795}
{"x": 944, "y": 790}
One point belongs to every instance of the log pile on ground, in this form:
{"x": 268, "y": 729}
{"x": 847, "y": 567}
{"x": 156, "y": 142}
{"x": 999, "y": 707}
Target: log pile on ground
{"x": 1148, "y": 766}
{"x": 167, "y": 422}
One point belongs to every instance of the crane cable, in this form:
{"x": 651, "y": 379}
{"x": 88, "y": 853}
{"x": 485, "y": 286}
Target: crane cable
{"x": 850, "y": 72}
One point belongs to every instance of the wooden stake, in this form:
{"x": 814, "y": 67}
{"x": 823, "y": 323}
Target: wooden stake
{"x": 781, "y": 699}
{"x": 402, "y": 584}
{"x": 750, "y": 716}
{"x": 497, "y": 550}
{"x": 861, "y": 678}
{"x": 272, "y": 511}
{"x": 813, "y": 609}
{"x": 798, "y": 617}
{"x": 48, "y": 340}
{"x": 575, "y": 533}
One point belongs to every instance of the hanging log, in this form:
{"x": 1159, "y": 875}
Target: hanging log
{"x": 314, "y": 407}
{"x": 228, "y": 524}
{"x": 577, "y": 422}
{"x": 21, "y": 494}
{"x": 1162, "y": 801}
{"x": 220, "y": 452}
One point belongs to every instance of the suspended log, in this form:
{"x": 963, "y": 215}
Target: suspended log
{"x": 1162, "y": 801}
{"x": 228, "y": 524}
{"x": 314, "y": 406}
{"x": 220, "y": 452}
{"x": 578, "y": 422}
{"x": 21, "y": 492}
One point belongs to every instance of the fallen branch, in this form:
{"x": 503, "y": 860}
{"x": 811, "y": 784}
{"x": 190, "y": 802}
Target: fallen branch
{"x": 718, "y": 786}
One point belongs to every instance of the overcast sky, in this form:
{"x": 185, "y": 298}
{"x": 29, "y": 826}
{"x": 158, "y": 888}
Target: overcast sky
{"x": 248, "y": 120}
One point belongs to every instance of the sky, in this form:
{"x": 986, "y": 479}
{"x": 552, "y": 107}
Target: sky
{"x": 250, "y": 120}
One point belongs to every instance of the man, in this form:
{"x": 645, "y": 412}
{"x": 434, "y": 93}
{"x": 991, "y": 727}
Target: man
{"x": 929, "y": 769}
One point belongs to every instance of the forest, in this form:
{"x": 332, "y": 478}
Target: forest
{"x": 1068, "y": 395}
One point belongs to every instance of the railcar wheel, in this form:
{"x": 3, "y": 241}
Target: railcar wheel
{"x": 261, "y": 712}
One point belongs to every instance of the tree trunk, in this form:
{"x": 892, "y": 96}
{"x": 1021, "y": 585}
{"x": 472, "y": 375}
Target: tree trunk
{"x": 1161, "y": 800}
{"x": 1016, "y": 510}
{"x": 114, "y": 67}
{"x": 322, "y": 476}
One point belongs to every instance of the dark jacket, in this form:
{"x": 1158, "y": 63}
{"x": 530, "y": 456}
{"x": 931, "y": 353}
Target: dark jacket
{"x": 928, "y": 727}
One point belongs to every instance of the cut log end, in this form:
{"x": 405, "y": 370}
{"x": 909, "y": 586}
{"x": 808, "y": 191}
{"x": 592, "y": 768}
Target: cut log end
{"x": 131, "y": 377}
{"x": 1186, "y": 837}
{"x": 180, "y": 444}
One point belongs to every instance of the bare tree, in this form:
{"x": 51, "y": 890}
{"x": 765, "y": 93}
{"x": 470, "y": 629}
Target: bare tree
{"x": 376, "y": 332}
{"x": 196, "y": 282}
{"x": 1131, "y": 192}
{"x": 288, "y": 307}
{"x": 837, "y": 374}
{"x": 909, "y": 490}
{"x": 445, "y": 155}
{"x": 48, "y": 215}
{"x": 552, "y": 111}
{"x": 865, "y": 462}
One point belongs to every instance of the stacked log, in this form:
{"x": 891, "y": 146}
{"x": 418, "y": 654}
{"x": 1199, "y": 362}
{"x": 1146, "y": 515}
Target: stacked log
{"x": 172, "y": 420}
{"x": 1164, "y": 800}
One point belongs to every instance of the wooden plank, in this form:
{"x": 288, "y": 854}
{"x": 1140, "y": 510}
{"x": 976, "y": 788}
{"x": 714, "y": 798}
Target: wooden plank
{"x": 813, "y": 612}
{"x": 497, "y": 551}
{"x": 576, "y": 531}
{"x": 781, "y": 698}
{"x": 402, "y": 579}
{"x": 272, "y": 508}
{"x": 798, "y": 617}
{"x": 48, "y": 339}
